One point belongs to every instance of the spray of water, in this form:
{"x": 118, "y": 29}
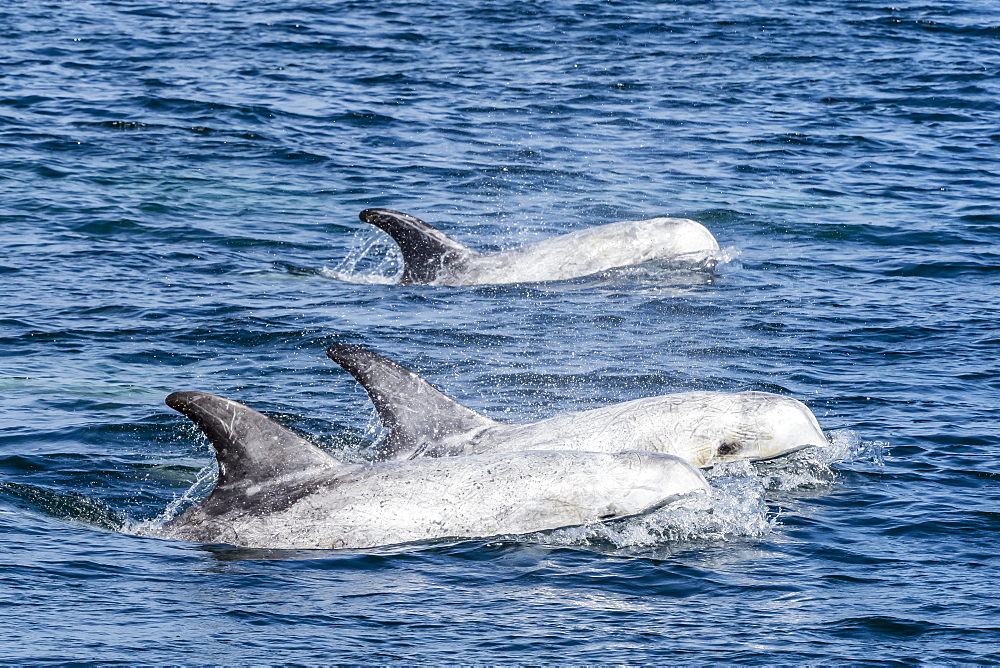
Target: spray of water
{"x": 204, "y": 482}
{"x": 737, "y": 505}
{"x": 373, "y": 259}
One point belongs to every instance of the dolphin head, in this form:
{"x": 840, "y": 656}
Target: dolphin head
{"x": 765, "y": 426}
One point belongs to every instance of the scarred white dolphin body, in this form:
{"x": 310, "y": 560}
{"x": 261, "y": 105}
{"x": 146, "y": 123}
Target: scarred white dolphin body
{"x": 431, "y": 257}
{"x": 276, "y": 490}
{"x": 703, "y": 428}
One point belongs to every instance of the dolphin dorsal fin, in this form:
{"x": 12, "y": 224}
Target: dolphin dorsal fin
{"x": 414, "y": 412}
{"x": 251, "y": 448}
{"x": 426, "y": 250}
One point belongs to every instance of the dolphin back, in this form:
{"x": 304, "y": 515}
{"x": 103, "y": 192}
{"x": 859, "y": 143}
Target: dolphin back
{"x": 415, "y": 412}
{"x": 426, "y": 250}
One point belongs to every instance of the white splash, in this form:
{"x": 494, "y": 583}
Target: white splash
{"x": 374, "y": 259}
{"x": 203, "y": 484}
{"x": 737, "y": 506}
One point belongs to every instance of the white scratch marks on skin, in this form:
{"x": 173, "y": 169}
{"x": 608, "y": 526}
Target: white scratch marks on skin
{"x": 692, "y": 425}
{"x": 395, "y": 502}
{"x": 588, "y": 252}
{"x": 233, "y": 417}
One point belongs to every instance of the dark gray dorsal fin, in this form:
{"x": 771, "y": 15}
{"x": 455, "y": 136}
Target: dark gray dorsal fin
{"x": 251, "y": 448}
{"x": 414, "y": 412}
{"x": 426, "y": 250}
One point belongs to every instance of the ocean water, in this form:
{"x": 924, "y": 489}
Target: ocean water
{"x": 179, "y": 190}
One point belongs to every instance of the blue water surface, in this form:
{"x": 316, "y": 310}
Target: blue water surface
{"x": 179, "y": 190}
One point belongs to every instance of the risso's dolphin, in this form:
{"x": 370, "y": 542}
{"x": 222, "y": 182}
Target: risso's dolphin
{"x": 703, "y": 428}
{"x": 431, "y": 257}
{"x": 276, "y": 490}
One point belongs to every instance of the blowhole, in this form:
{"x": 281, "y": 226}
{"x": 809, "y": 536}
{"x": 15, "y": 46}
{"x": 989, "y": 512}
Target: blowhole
{"x": 728, "y": 448}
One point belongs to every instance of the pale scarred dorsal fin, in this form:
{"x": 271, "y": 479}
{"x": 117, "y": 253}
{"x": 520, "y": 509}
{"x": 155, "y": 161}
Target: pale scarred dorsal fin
{"x": 426, "y": 250}
{"x": 414, "y": 412}
{"x": 251, "y": 449}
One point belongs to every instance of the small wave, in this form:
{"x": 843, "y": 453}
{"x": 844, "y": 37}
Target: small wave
{"x": 986, "y": 265}
{"x": 68, "y": 506}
